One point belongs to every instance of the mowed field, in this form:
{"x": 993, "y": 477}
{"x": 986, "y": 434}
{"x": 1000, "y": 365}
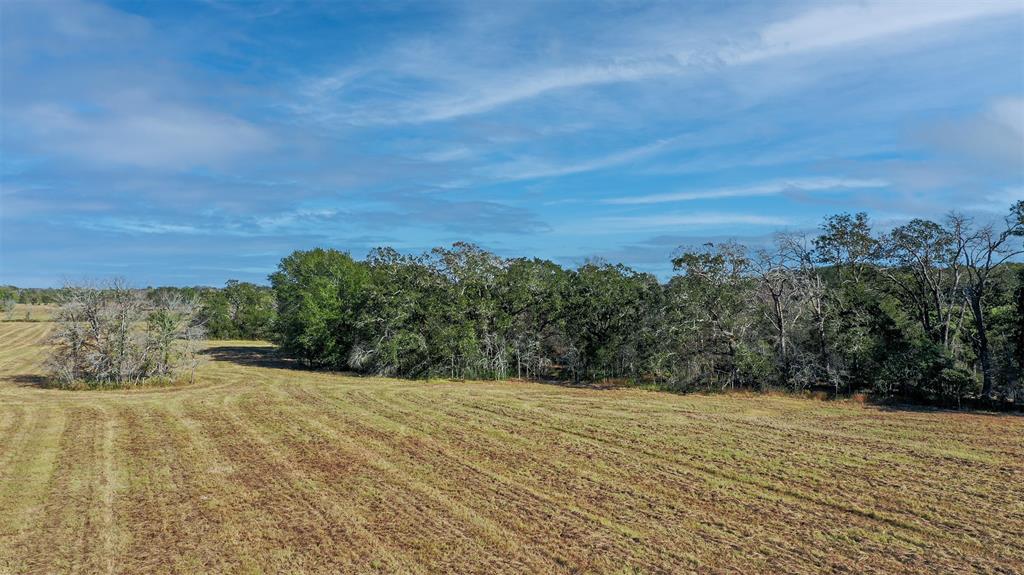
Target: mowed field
{"x": 262, "y": 469}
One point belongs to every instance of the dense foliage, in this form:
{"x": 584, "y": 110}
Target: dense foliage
{"x": 240, "y": 310}
{"x": 30, "y": 295}
{"x": 926, "y": 311}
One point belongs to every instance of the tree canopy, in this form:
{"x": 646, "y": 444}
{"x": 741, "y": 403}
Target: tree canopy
{"x": 928, "y": 311}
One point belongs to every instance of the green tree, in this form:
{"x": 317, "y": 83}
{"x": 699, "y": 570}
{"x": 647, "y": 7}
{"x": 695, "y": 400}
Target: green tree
{"x": 318, "y": 293}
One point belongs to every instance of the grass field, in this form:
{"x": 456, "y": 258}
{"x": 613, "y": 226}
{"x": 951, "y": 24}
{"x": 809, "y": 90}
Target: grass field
{"x": 31, "y": 312}
{"x": 261, "y": 469}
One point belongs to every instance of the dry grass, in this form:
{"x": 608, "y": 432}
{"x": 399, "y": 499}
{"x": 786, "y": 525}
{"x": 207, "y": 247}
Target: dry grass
{"x": 31, "y": 312}
{"x": 260, "y": 469}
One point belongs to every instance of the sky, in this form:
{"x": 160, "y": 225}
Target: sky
{"x": 178, "y": 143}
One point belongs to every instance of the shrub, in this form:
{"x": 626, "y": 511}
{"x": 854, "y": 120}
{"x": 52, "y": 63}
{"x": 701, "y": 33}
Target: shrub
{"x": 110, "y": 337}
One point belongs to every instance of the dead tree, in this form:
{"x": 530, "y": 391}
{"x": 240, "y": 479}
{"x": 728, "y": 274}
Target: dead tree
{"x": 780, "y": 298}
{"x": 984, "y": 250}
{"x": 109, "y": 336}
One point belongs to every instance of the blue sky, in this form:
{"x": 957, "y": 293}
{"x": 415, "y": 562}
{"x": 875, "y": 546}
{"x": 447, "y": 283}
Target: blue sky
{"x": 189, "y": 143}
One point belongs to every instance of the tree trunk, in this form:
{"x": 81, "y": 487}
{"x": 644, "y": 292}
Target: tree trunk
{"x": 819, "y": 323}
{"x": 1019, "y": 336}
{"x": 734, "y": 371}
{"x": 984, "y": 355}
{"x": 780, "y": 328}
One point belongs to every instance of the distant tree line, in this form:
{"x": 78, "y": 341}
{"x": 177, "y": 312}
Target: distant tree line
{"x": 10, "y": 296}
{"x": 29, "y": 295}
{"x": 928, "y": 311}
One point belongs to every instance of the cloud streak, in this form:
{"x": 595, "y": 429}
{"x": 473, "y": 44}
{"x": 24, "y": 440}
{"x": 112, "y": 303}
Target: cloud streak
{"x": 840, "y": 25}
{"x": 767, "y": 189}
{"x": 532, "y": 168}
{"x": 609, "y": 225}
{"x": 475, "y": 91}
{"x": 153, "y": 135}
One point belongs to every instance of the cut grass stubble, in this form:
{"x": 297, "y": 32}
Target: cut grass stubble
{"x": 263, "y": 469}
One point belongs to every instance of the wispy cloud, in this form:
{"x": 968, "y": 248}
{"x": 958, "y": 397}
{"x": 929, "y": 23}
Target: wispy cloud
{"x": 450, "y": 154}
{"x": 133, "y": 226}
{"x": 206, "y": 132}
{"x": 674, "y": 221}
{"x": 767, "y": 189}
{"x": 836, "y": 25}
{"x": 471, "y": 92}
{"x": 533, "y": 168}
{"x": 153, "y": 135}
{"x": 299, "y": 217}
{"x": 999, "y": 203}
{"x": 995, "y": 137}
{"x": 496, "y": 92}
{"x": 101, "y": 87}
{"x": 449, "y": 93}
{"x": 387, "y": 212}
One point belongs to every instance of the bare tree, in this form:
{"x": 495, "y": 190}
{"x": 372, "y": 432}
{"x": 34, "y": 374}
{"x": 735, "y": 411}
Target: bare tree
{"x": 9, "y": 305}
{"x": 798, "y": 254}
{"x": 777, "y": 289}
{"x": 172, "y": 335}
{"x": 108, "y": 336}
{"x": 984, "y": 250}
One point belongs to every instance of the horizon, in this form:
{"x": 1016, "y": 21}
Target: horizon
{"x": 186, "y": 144}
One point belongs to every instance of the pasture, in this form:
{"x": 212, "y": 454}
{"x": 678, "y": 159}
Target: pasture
{"x": 259, "y": 468}
{"x": 30, "y": 312}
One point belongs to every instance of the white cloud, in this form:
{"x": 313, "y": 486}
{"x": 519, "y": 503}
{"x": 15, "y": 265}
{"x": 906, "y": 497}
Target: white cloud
{"x": 471, "y": 91}
{"x": 451, "y": 154}
{"x": 140, "y": 226}
{"x": 523, "y": 85}
{"x": 836, "y": 25}
{"x": 993, "y": 139}
{"x": 1009, "y": 112}
{"x": 767, "y": 189}
{"x": 302, "y": 216}
{"x": 1000, "y": 202}
{"x": 153, "y": 135}
{"x": 529, "y": 169}
{"x": 618, "y": 224}
{"x": 300, "y": 220}
{"x": 455, "y": 91}
{"x": 98, "y": 85}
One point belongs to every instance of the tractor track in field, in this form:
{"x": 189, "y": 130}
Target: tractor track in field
{"x": 261, "y": 468}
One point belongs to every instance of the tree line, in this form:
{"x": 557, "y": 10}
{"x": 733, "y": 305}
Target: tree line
{"x": 29, "y": 295}
{"x": 929, "y": 311}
